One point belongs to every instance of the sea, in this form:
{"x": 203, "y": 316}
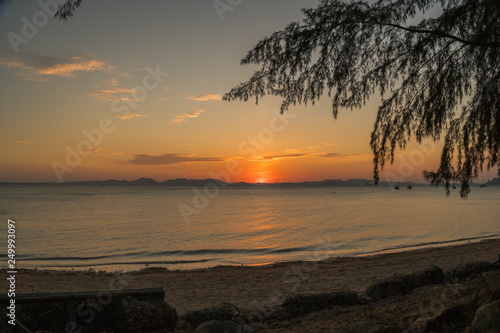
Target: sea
{"x": 126, "y": 228}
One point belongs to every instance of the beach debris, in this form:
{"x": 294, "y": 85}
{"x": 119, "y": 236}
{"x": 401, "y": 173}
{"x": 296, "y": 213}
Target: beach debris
{"x": 142, "y": 314}
{"x": 402, "y": 284}
{"x": 220, "y": 326}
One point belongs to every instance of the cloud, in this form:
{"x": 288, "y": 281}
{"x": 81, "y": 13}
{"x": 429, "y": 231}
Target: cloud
{"x": 20, "y": 142}
{"x": 168, "y": 159}
{"x": 92, "y": 150}
{"x": 112, "y": 81}
{"x": 180, "y": 118}
{"x": 302, "y": 150}
{"x": 131, "y": 116}
{"x": 296, "y": 153}
{"x": 113, "y": 94}
{"x": 337, "y": 155}
{"x": 164, "y": 98}
{"x": 43, "y": 68}
{"x": 326, "y": 143}
{"x": 276, "y": 157}
{"x": 206, "y": 98}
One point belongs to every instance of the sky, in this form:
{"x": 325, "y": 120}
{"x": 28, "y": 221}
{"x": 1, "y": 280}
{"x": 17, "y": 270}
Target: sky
{"x": 125, "y": 90}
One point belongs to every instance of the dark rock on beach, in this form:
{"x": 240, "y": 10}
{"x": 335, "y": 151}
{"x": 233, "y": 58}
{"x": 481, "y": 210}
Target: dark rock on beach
{"x": 218, "y": 326}
{"x": 487, "y": 318}
{"x": 224, "y": 312}
{"x": 403, "y": 284}
{"x": 370, "y": 327}
{"x": 302, "y": 304}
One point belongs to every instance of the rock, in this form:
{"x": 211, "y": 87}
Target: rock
{"x": 303, "y": 304}
{"x": 467, "y": 271}
{"x": 492, "y": 280}
{"x": 145, "y": 315}
{"x": 224, "y": 312}
{"x": 219, "y": 326}
{"x": 370, "y": 327}
{"x": 487, "y": 319}
{"x": 404, "y": 284}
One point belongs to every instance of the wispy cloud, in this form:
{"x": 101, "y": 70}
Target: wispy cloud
{"x": 20, "y": 142}
{"x": 206, "y": 98}
{"x": 271, "y": 158}
{"x": 168, "y": 159}
{"x": 42, "y": 68}
{"x": 113, "y": 94}
{"x": 329, "y": 144}
{"x": 131, "y": 116}
{"x": 337, "y": 155}
{"x": 297, "y": 153}
{"x": 183, "y": 117}
{"x": 92, "y": 150}
{"x": 302, "y": 150}
{"x": 164, "y": 98}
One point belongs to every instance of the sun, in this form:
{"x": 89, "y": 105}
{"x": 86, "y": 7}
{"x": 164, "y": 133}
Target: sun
{"x": 263, "y": 175}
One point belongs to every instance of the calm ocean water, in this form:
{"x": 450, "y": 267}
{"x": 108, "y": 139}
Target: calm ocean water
{"x": 115, "y": 227}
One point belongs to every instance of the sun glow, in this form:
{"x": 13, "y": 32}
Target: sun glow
{"x": 263, "y": 177}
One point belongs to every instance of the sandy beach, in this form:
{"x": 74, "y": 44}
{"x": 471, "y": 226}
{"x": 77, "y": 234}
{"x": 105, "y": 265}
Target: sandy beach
{"x": 255, "y": 287}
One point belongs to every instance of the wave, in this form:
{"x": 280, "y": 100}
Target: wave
{"x": 199, "y": 256}
{"x": 176, "y": 253}
{"x": 426, "y": 244}
{"x": 124, "y": 263}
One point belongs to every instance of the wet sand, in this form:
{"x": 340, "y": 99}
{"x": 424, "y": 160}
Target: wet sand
{"x": 255, "y": 287}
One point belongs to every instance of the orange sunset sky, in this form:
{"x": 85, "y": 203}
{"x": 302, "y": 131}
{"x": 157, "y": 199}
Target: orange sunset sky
{"x": 126, "y": 90}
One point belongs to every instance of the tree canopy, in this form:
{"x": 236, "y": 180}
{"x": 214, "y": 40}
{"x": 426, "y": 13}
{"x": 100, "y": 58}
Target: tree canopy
{"x": 66, "y": 9}
{"x": 438, "y": 77}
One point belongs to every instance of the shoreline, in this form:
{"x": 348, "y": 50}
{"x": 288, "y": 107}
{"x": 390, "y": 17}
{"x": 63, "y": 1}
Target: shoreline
{"x": 182, "y": 265}
{"x": 249, "y": 287}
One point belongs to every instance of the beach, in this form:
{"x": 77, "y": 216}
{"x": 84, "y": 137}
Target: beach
{"x": 249, "y": 287}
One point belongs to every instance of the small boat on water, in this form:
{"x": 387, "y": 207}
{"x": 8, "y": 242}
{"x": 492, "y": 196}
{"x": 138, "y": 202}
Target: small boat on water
{"x": 454, "y": 187}
{"x": 409, "y": 187}
{"x": 396, "y": 187}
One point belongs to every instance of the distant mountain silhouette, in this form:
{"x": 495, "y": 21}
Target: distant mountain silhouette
{"x": 494, "y": 181}
{"x": 184, "y": 182}
{"x": 147, "y": 182}
{"x": 144, "y": 181}
{"x": 330, "y": 183}
{"x": 202, "y": 182}
{"x": 189, "y": 182}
